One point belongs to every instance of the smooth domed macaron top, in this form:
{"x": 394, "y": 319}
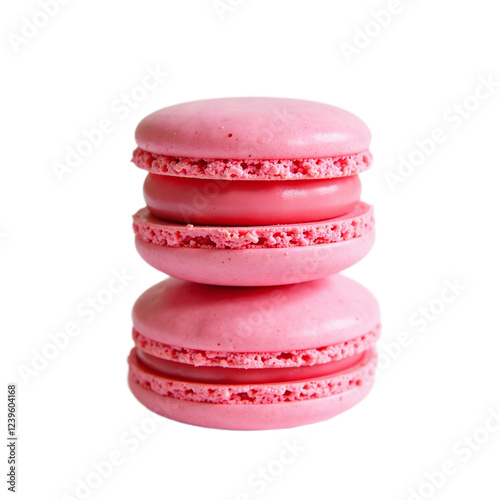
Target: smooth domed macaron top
{"x": 262, "y": 319}
{"x": 253, "y": 127}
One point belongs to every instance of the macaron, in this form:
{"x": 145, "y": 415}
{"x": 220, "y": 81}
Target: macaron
{"x": 253, "y": 358}
{"x": 252, "y": 191}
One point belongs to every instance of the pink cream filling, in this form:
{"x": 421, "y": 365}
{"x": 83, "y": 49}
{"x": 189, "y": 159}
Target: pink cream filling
{"x": 224, "y": 375}
{"x": 248, "y": 203}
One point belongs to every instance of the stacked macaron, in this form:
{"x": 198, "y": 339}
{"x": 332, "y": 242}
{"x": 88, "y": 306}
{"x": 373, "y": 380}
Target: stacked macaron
{"x": 252, "y": 191}
{"x": 262, "y": 196}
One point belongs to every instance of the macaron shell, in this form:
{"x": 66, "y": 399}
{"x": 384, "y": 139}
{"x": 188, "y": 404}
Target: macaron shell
{"x": 251, "y": 416}
{"x": 252, "y": 127}
{"x": 266, "y": 319}
{"x": 256, "y": 267}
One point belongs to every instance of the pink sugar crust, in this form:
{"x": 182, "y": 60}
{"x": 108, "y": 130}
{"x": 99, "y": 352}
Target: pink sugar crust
{"x": 354, "y": 224}
{"x": 250, "y": 417}
{"x": 284, "y": 359}
{"x": 249, "y": 169}
{"x": 357, "y": 375}
{"x": 252, "y": 127}
{"x": 255, "y": 267}
{"x": 275, "y": 319}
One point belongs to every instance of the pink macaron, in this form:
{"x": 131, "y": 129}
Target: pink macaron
{"x": 253, "y": 358}
{"x": 252, "y": 191}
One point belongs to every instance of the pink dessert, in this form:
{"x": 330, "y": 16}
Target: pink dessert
{"x": 252, "y": 191}
{"x": 253, "y": 358}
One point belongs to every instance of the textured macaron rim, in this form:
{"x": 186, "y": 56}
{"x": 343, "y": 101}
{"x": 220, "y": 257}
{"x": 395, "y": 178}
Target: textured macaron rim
{"x": 151, "y": 229}
{"x": 255, "y": 359}
{"x": 253, "y": 169}
{"x": 361, "y": 373}
{"x": 250, "y": 417}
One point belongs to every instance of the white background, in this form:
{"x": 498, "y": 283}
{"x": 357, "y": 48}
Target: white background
{"x": 62, "y": 239}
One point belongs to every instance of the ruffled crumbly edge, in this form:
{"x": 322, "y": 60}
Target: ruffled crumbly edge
{"x": 253, "y": 169}
{"x": 245, "y": 360}
{"x": 362, "y": 373}
{"x": 151, "y": 229}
